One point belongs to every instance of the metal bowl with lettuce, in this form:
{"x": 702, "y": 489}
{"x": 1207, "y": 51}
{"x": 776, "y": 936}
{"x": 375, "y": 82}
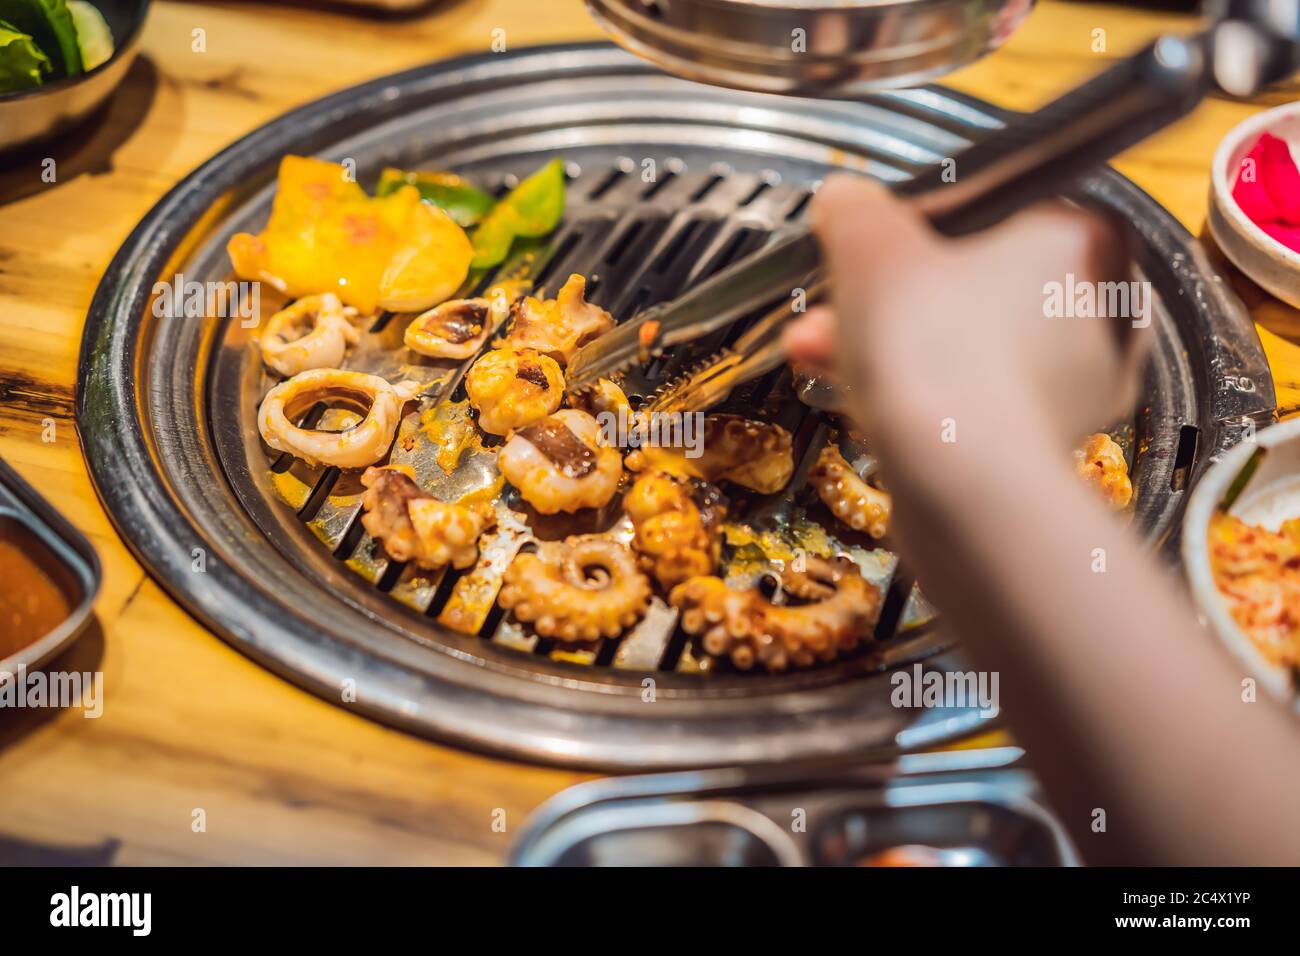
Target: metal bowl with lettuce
{"x": 59, "y": 61}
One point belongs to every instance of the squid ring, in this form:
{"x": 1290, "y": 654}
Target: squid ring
{"x": 313, "y": 332}
{"x": 850, "y": 499}
{"x": 750, "y": 629}
{"x": 363, "y": 444}
{"x": 582, "y": 589}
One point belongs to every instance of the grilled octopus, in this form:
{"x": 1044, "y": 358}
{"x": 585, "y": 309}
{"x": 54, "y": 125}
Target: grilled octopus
{"x": 751, "y": 630}
{"x": 557, "y": 327}
{"x": 603, "y": 398}
{"x": 512, "y": 387}
{"x": 677, "y": 526}
{"x": 415, "y": 526}
{"x": 1101, "y": 462}
{"x": 558, "y": 463}
{"x": 849, "y": 497}
{"x": 581, "y": 589}
{"x": 756, "y": 455}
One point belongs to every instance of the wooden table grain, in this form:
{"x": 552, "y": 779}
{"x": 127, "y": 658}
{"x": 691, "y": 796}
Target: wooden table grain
{"x": 189, "y": 724}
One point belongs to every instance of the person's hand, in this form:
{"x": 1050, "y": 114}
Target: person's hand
{"x": 940, "y": 336}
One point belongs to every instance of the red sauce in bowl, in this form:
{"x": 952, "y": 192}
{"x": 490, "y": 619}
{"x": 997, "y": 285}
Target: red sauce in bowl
{"x": 34, "y": 598}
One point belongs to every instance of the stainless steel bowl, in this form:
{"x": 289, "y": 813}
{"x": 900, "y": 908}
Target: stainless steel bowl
{"x": 62, "y": 552}
{"x": 30, "y": 117}
{"x": 823, "y": 47}
{"x": 976, "y": 807}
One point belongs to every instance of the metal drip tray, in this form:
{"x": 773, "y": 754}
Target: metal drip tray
{"x": 669, "y": 181}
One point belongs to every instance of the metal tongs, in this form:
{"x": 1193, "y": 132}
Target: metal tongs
{"x": 1030, "y": 159}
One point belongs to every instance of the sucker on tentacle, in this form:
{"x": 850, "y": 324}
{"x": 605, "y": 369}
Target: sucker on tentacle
{"x": 749, "y": 629}
{"x": 581, "y": 589}
{"x": 849, "y": 497}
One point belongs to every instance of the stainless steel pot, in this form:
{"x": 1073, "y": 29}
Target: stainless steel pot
{"x": 844, "y": 47}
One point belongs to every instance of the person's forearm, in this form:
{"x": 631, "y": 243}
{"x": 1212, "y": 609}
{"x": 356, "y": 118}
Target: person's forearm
{"x": 1124, "y": 704}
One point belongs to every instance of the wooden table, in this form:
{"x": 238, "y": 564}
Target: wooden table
{"x": 189, "y": 723}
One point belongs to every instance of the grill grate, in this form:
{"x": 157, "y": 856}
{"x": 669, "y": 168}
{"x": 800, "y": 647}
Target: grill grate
{"x": 642, "y": 233}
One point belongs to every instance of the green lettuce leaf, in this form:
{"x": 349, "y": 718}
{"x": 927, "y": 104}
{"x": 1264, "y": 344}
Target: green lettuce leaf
{"x": 49, "y": 23}
{"x": 94, "y": 38}
{"x": 22, "y": 64}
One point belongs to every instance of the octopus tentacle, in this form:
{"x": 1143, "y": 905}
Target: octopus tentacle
{"x": 363, "y": 444}
{"x": 677, "y": 524}
{"x": 850, "y": 499}
{"x": 1101, "y": 462}
{"x": 557, "y": 327}
{"x": 313, "y": 332}
{"x": 582, "y": 589}
{"x": 415, "y": 526}
{"x": 757, "y": 455}
{"x": 751, "y": 630}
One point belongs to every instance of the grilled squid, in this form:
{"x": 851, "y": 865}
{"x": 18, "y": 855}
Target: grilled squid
{"x": 558, "y": 463}
{"x": 557, "y": 327}
{"x": 581, "y": 589}
{"x": 1101, "y": 462}
{"x": 415, "y": 526}
{"x": 752, "y": 454}
{"x": 603, "y": 398}
{"x": 677, "y": 526}
{"x": 363, "y": 444}
{"x": 849, "y": 497}
{"x": 512, "y": 387}
{"x": 455, "y": 329}
{"x": 313, "y": 332}
{"x": 751, "y": 630}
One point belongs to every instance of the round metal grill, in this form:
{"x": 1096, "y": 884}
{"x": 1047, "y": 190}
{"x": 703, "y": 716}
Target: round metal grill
{"x": 669, "y": 182}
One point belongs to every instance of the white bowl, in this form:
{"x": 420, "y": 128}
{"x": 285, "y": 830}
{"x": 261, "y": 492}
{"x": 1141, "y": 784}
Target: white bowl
{"x": 1270, "y": 497}
{"x": 1270, "y": 264}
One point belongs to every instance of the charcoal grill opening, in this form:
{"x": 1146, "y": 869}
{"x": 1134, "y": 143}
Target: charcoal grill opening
{"x": 668, "y": 183}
